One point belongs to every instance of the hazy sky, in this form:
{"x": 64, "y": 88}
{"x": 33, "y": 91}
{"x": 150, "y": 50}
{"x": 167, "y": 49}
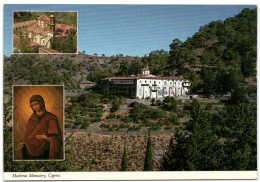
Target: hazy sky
{"x": 133, "y": 30}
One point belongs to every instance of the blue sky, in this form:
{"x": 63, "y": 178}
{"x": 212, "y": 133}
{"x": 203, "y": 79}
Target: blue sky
{"x": 133, "y": 30}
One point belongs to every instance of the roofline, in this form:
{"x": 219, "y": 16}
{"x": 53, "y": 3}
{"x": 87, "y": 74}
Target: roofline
{"x": 136, "y": 78}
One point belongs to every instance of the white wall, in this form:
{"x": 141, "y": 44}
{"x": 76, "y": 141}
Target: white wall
{"x": 164, "y": 88}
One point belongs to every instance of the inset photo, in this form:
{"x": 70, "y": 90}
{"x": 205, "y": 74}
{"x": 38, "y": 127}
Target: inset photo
{"x": 45, "y": 32}
{"x": 38, "y": 122}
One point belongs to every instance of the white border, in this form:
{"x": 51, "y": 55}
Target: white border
{"x": 63, "y": 87}
{"x": 54, "y": 49}
{"x": 125, "y": 176}
{"x": 173, "y": 175}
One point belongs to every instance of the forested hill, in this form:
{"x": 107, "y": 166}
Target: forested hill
{"x": 221, "y": 50}
{"x": 228, "y": 44}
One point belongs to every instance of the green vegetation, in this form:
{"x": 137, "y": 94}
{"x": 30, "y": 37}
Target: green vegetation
{"x": 20, "y": 16}
{"x": 67, "y": 45}
{"x": 124, "y": 163}
{"x": 71, "y": 19}
{"x": 68, "y": 18}
{"x": 141, "y": 112}
{"x": 37, "y": 71}
{"x": 148, "y": 162}
{"x": 84, "y": 109}
{"x": 116, "y": 104}
{"x": 215, "y": 141}
{"x": 23, "y": 43}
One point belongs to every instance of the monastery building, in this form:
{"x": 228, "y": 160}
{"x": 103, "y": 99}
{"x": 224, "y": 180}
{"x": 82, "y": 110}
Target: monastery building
{"x": 146, "y": 85}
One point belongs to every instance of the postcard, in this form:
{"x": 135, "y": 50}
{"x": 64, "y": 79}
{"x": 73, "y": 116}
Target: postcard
{"x": 130, "y": 92}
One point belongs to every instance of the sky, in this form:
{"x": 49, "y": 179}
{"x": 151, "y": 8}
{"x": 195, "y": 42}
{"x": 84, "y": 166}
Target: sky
{"x": 133, "y": 30}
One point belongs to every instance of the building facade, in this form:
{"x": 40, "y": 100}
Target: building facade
{"x": 146, "y": 85}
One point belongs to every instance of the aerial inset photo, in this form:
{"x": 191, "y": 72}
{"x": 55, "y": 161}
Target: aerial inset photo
{"x": 45, "y": 32}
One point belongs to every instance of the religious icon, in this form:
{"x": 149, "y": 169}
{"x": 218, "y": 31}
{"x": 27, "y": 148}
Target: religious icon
{"x": 38, "y": 131}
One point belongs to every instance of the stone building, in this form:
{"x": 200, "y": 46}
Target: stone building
{"x": 146, "y": 85}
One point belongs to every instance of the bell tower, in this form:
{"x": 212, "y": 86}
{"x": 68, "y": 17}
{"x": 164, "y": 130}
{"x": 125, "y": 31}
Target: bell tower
{"x": 52, "y": 29}
{"x": 52, "y": 22}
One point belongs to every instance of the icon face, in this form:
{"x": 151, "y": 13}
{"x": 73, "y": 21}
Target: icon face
{"x": 38, "y": 122}
{"x": 45, "y": 32}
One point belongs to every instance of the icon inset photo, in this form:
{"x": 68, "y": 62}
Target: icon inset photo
{"x": 45, "y": 32}
{"x": 38, "y": 122}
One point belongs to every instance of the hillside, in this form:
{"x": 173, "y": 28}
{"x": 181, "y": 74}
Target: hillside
{"x": 67, "y": 69}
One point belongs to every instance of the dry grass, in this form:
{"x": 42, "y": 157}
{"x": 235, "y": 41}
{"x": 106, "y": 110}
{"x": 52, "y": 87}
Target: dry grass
{"x": 105, "y": 151}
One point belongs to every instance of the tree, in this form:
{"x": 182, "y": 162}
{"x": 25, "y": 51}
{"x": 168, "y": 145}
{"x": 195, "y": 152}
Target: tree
{"x": 209, "y": 82}
{"x": 241, "y": 147}
{"x": 116, "y": 104}
{"x": 197, "y": 149}
{"x": 69, "y": 44}
{"x": 23, "y": 44}
{"x": 71, "y": 18}
{"x": 238, "y": 95}
{"x": 124, "y": 164}
{"x": 124, "y": 69}
{"x": 170, "y": 104}
{"x": 148, "y": 163}
{"x": 175, "y": 59}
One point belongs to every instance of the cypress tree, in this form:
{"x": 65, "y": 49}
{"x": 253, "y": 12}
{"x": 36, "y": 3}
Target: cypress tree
{"x": 148, "y": 163}
{"x": 124, "y": 164}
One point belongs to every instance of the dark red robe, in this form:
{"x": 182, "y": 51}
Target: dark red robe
{"x": 48, "y": 125}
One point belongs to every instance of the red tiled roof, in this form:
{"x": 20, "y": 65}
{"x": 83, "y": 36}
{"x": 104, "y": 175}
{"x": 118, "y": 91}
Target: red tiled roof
{"x": 44, "y": 18}
{"x": 121, "y": 78}
{"x": 31, "y": 27}
{"x": 39, "y": 29}
{"x": 63, "y": 26}
{"x": 48, "y": 50}
{"x": 145, "y": 69}
{"x": 24, "y": 23}
{"x": 142, "y": 77}
{"x": 34, "y": 44}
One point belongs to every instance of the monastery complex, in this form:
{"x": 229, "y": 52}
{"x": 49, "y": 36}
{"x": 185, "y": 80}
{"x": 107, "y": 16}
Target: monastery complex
{"x": 41, "y": 33}
{"x": 146, "y": 85}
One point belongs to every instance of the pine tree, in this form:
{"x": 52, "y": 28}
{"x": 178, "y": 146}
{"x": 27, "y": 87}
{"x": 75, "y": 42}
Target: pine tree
{"x": 148, "y": 163}
{"x": 124, "y": 164}
{"x": 197, "y": 149}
